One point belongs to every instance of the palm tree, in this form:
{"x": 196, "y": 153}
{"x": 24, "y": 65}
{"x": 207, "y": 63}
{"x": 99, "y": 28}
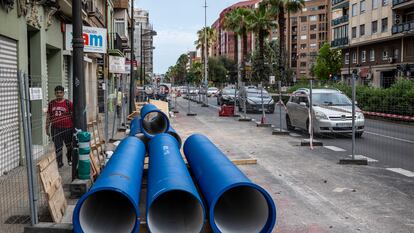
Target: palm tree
{"x": 211, "y": 38}
{"x": 238, "y": 21}
{"x": 261, "y": 23}
{"x": 230, "y": 24}
{"x": 277, "y": 8}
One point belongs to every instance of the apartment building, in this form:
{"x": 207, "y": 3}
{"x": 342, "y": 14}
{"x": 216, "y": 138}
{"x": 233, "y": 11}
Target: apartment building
{"x": 144, "y": 40}
{"x": 376, "y": 38}
{"x": 307, "y": 31}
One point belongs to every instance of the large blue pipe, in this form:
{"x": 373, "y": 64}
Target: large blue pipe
{"x": 171, "y": 131}
{"x": 153, "y": 121}
{"x": 235, "y": 203}
{"x": 135, "y": 126}
{"x": 173, "y": 204}
{"x": 111, "y": 205}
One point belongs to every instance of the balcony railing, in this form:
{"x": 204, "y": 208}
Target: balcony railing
{"x": 94, "y": 11}
{"x": 398, "y": 2}
{"x": 115, "y": 41}
{"x": 340, "y": 42}
{"x": 340, "y": 20}
{"x": 334, "y": 2}
{"x": 121, "y": 4}
{"x": 403, "y": 27}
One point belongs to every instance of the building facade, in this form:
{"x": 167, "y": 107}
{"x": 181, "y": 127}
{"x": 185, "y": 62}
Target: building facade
{"x": 144, "y": 41}
{"x": 376, "y": 38}
{"x": 307, "y": 31}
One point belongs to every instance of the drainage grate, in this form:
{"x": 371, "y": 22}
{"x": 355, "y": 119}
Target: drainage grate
{"x": 18, "y": 219}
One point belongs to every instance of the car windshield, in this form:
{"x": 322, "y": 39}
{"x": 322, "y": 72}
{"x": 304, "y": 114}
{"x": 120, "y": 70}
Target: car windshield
{"x": 212, "y": 88}
{"x": 336, "y": 99}
{"x": 228, "y": 91}
{"x": 257, "y": 93}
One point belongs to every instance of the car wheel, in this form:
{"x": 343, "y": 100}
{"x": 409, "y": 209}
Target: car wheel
{"x": 358, "y": 134}
{"x": 288, "y": 123}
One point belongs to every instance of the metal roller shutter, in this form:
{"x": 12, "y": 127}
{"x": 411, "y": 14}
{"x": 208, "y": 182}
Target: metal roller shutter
{"x": 9, "y": 106}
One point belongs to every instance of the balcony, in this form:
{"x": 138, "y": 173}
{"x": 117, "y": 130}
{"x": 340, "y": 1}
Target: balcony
{"x": 121, "y": 4}
{"x": 402, "y": 4}
{"x": 403, "y": 27}
{"x": 340, "y": 42}
{"x": 334, "y": 2}
{"x": 340, "y": 20}
{"x": 94, "y": 11}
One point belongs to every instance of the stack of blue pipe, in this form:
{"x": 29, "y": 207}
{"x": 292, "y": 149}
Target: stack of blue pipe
{"x": 234, "y": 203}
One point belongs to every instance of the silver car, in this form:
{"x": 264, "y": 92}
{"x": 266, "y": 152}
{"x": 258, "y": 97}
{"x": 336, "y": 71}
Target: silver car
{"x": 331, "y": 111}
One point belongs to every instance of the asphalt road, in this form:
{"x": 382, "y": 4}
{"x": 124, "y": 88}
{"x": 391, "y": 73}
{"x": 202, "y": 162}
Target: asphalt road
{"x": 391, "y": 144}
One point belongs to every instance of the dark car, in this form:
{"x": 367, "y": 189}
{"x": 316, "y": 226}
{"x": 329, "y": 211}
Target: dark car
{"x": 226, "y": 96}
{"x": 254, "y": 100}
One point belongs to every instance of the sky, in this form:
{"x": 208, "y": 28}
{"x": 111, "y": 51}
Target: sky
{"x": 177, "y": 23}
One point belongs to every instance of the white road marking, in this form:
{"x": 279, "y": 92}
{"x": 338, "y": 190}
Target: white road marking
{"x": 394, "y": 138}
{"x": 294, "y": 134}
{"x": 370, "y": 160}
{"x": 334, "y": 148}
{"x": 402, "y": 171}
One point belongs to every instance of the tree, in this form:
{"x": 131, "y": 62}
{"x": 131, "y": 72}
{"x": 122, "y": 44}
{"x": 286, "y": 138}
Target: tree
{"x": 195, "y": 73}
{"x": 238, "y": 21}
{"x": 261, "y": 23}
{"x": 200, "y": 42}
{"x": 277, "y": 9}
{"x": 231, "y": 24}
{"x": 328, "y": 62}
{"x": 217, "y": 70}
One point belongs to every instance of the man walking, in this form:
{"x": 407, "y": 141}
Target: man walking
{"x": 60, "y": 120}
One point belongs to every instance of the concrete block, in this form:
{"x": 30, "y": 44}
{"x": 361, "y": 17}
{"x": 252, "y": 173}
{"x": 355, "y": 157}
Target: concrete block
{"x": 348, "y": 161}
{"x": 264, "y": 125}
{"x": 280, "y": 132}
{"x": 79, "y": 187}
{"x": 306, "y": 142}
{"x": 245, "y": 119}
{"x": 49, "y": 227}
{"x": 191, "y": 114}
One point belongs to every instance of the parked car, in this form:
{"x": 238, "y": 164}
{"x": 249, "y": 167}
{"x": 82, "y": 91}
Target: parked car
{"x": 192, "y": 91}
{"x": 254, "y": 100}
{"x": 331, "y": 111}
{"x": 226, "y": 96}
{"x": 212, "y": 91}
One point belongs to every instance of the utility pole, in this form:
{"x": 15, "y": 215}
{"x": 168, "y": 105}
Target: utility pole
{"x": 132, "y": 78}
{"x": 205, "y": 55}
{"x": 79, "y": 101}
{"x": 141, "y": 57}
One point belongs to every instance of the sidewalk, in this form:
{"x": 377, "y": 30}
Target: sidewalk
{"x": 312, "y": 191}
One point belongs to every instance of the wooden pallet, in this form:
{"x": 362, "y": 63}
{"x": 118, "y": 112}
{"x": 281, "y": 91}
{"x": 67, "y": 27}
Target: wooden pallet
{"x": 52, "y": 186}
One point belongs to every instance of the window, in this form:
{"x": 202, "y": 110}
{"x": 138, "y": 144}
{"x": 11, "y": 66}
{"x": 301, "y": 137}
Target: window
{"x": 396, "y": 54}
{"x": 354, "y": 57}
{"x": 304, "y": 28}
{"x": 384, "y": 25}
{"x": 354, "y": 32}
{"x": 362, "y": 6}
{"x": 313, "y": 27}
{"x": 303, "y": 46}
{"x": 384, "y": 2}
{"x": 313, "y": 46}
{"x": 346, "y": 58}
{"x": 303, "y": 64}
{"x": 374, "y": 4}
{"x": 303, "y": 19}
{"x": 374, "y": 27}
{"x": 305, "y": 9}
{"x": 385, "y": 55}
{"x": 303, "y": 37}
{"x": 313, "y": 18}
{"x": 372, "y": 55}
{"x": 362, "y": 29}
{"x": 354, "y": 9}
{"x": 313, "y": 36}
{"x": 364, "y": 56}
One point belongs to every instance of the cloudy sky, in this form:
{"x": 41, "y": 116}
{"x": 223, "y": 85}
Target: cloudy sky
{"x": 177, "y": 23}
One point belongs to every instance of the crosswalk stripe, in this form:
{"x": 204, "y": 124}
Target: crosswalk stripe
{"x": 334, "y": 148}
{"x": 402, "y": 171}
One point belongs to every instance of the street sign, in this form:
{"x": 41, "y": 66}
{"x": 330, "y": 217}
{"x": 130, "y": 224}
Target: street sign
{"x": 94, "y": 39}
{"x": 117, "y": 65}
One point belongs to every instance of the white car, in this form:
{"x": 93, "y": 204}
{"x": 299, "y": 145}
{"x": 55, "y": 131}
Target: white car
{"x": 212, "y": 91}
{"x": 331, "y": 111}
